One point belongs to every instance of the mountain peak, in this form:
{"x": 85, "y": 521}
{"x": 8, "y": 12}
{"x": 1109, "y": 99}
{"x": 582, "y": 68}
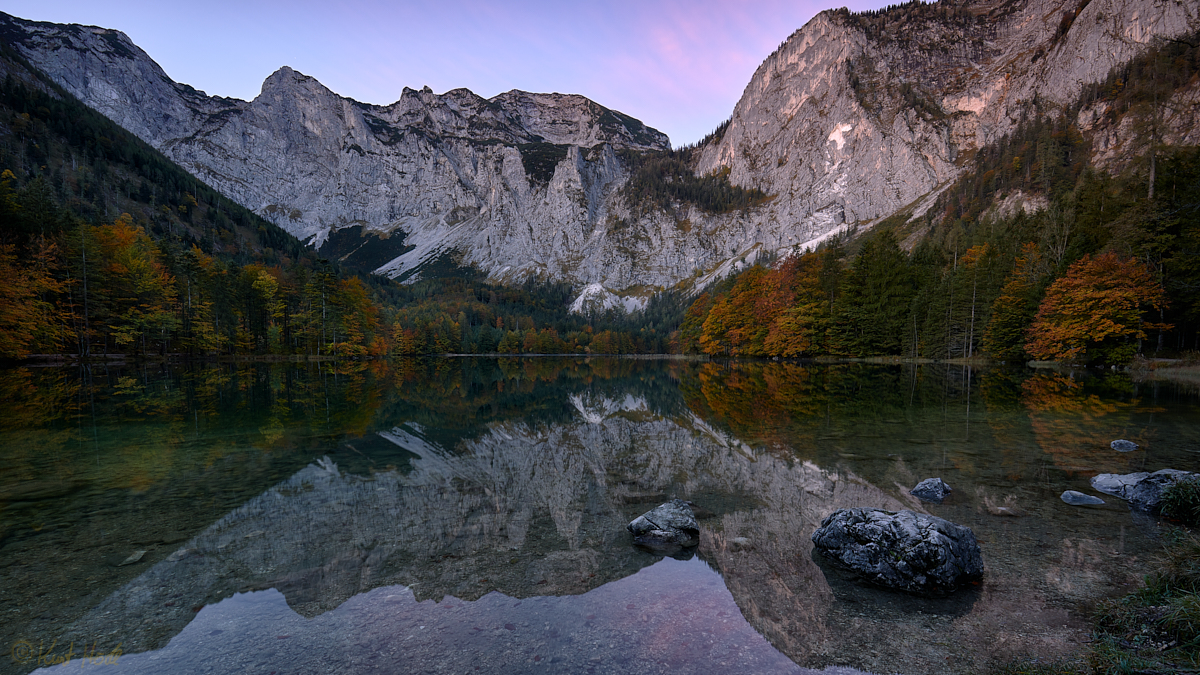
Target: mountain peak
{"x": 285, "y": 79}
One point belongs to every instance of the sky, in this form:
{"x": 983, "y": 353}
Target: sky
{"x": 677, "y": 65}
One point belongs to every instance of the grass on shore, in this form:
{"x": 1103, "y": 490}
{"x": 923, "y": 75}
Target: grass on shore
{"x": 1153, "y": 630}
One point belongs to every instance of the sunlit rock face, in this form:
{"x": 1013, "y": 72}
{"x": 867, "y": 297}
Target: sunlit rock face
{"x": 852, "y": 119}
{"x": 849, "y": 121}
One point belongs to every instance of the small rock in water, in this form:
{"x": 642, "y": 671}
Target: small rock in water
{"x": 1118, "y": 484}
{"x": 668, "y": 526}
{"x": 1075, "y": 498}
{"x": 134, "y": 557}
{"x": 1123, "y": 446}
{"x": 932, "y": 490}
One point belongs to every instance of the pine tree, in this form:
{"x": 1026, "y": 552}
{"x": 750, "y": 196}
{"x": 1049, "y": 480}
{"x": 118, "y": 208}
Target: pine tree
{"x": 871, "y": 316}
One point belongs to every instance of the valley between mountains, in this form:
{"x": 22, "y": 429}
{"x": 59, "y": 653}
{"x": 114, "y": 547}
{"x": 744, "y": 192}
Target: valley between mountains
{"x": 855, "y": 119}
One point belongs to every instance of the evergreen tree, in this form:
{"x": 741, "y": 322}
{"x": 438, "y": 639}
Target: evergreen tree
{"x": 871, "y": 314}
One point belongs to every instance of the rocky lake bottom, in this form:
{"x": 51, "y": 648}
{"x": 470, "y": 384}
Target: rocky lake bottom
{"x": 469, "y": 515}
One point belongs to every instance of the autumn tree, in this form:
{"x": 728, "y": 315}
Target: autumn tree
{"x": 1095, "y": 312}
{"x": 136, "y": 291}
{"x": 799, "y": 327}
{"x": 30, "y": 318}
{"x": 358, "y": 318}
{"x": 733, "y": 327}
{"x": 693, "y": 324}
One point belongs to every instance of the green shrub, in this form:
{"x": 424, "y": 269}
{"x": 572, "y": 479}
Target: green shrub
{"x": 1181, "y": 502}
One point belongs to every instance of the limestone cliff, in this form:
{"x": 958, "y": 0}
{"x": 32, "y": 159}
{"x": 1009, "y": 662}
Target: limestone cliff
{"x": 857, "y": 116}
{"x": 853, "y": 118}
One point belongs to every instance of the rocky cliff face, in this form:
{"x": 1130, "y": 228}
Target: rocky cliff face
{"x": 858, "y": 116}
{"x": 853, "y": 118}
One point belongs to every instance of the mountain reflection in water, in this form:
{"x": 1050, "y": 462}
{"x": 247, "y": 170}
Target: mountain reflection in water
{"x": 472, "y": 495}
{"x": 671, "y": 617}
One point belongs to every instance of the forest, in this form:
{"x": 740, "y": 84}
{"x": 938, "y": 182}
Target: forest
{"x": 666, "y": 179}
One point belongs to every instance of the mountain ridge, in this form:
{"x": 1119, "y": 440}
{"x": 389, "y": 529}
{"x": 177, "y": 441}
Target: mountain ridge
{"x": 852, "y": 119}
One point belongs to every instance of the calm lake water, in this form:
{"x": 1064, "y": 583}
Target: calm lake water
{"x": 468, "y": 515}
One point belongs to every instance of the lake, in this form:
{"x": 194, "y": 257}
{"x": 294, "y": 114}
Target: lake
{"x": 461, "y": 515}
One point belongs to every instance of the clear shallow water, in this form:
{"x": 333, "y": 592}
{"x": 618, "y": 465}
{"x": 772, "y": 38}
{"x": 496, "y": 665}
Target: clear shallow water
{"x": 455, "y": 489}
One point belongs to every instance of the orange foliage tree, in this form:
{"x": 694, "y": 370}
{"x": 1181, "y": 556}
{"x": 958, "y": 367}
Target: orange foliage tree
{"x": 29, "y": 316}
{"x": 138, "y": 292}
{"x": 1094, "y": 312}
{"x": 767, "y": 312}
{"x": 732, "y": 327}
{"x": 799, "y": 328}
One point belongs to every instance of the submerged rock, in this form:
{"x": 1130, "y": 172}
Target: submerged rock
{"x": 1075, "y": 498}
{"x": 1142, "y": 490}
{"x": 133, "y": 558}
{"x": 932, "y": 490}
{"x": 903, "y": 550}
{"x": 668, "y": 525}
{"x": 1123, "y": 446}
{"x": 1117, "y": 484}
{"x": 740, "y": 544}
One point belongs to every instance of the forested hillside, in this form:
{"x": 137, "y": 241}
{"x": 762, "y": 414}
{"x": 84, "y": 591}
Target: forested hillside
{"x": 107, "y": 247}
{"x": 1103, "y": 268}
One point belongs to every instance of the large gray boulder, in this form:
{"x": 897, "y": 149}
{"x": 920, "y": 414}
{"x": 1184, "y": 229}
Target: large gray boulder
{"x": 666, "y": 526}
{"x": 932, "y": 490}
{"x": 1142, "y": 490}
{"x": 903, "y": 550}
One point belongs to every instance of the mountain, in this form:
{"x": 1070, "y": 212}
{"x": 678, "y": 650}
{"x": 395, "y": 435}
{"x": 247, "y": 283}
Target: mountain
{"x": 859, "y": 115}
{"x": 856, "y": 117}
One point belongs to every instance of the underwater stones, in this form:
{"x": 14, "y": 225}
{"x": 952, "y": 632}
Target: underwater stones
{"x": 740, "y": 544}
{"x": 907, "y": 551}
{"x": 931, "y": 490}
{"x": 1142, "y": 490}
{"x": 133, "y": 558}
{"x": 667, "y": 526}
{"x": 1075, "y": 498}
{"x": 1121, "y": 445}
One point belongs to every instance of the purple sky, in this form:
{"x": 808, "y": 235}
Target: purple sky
{"x": 679, "y": 66}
